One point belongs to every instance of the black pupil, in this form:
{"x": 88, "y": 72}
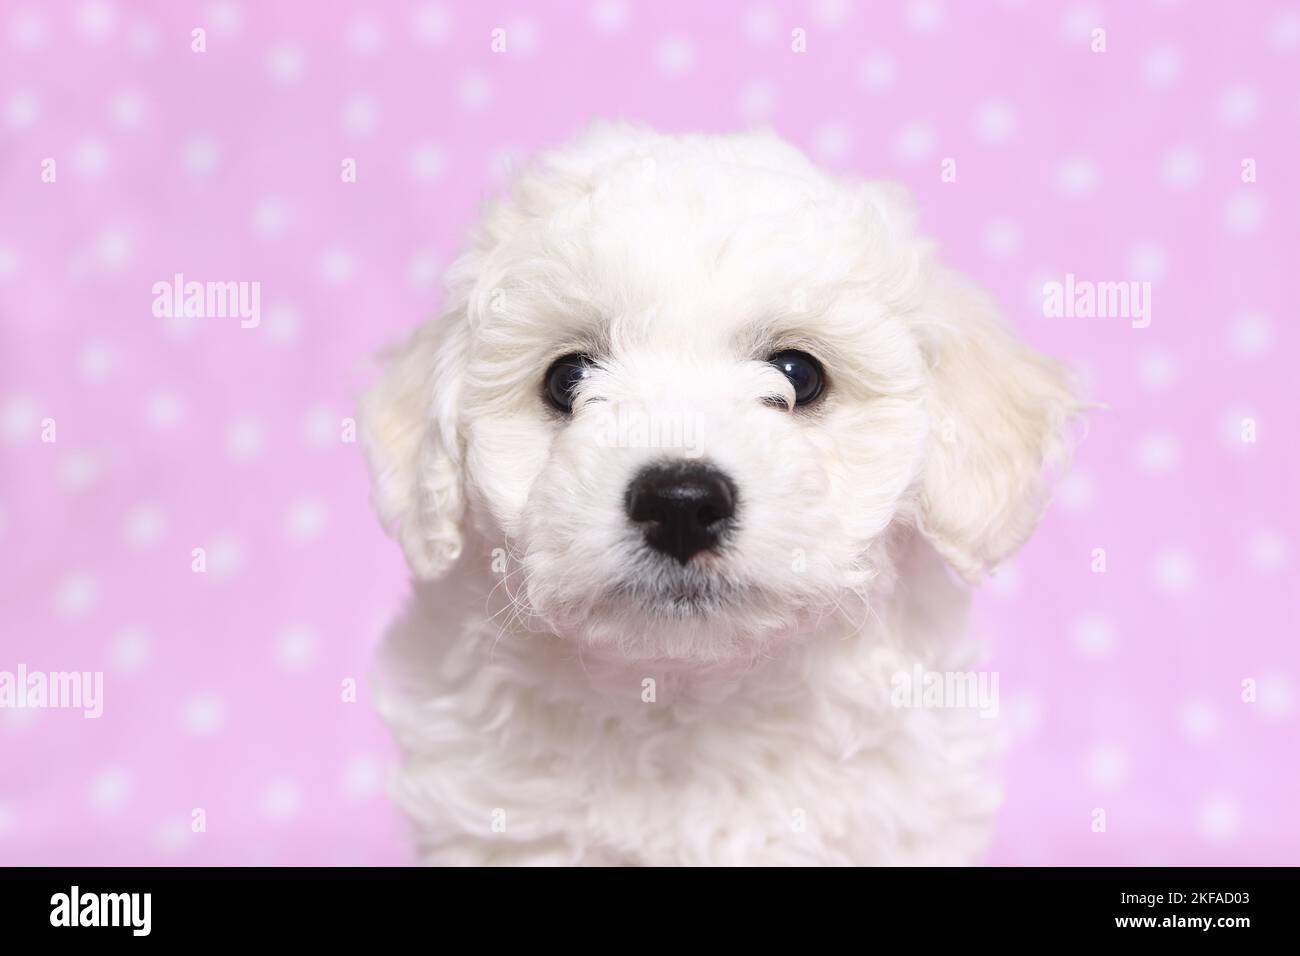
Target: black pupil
{"x": 803, "y": 372}
{"x": 563, "y": 379}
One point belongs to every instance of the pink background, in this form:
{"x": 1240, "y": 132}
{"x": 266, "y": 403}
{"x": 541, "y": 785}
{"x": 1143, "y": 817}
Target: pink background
{"x": 1121, "y": 690}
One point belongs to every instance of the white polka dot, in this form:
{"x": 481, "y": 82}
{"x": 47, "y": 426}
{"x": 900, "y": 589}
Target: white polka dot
{"x": 76, "y": 595}
{"x": 90, "y": 159}
{"x": 172, "y": 836}
{"x": 1275, "y": 696}
{"x": 21, "y": 420}
{"x": 831, "y": 142}
{"x": 8, "y": 263}
{"x": 281, "y": 800}
{"x": 876, "y": 72}
{"x": 129, "y": 651}
{"x": 1174, "y": 571}
{"x": 1003, "y": 581}
{"x": 96, "y": 362}
{"x": 96, "y": 19}
{"x": 1001, "y": 239}
{"x": 27, "y": 31}
{"x": 142, "y": 38}
{"x": 1077, "y": 177}
{"x": 363, "y": 777}
{"x": 20, "y": 719}
{"x": 1024, "y": 715}
{"x": 203, "y": 715}
{"x": 22, "y": 109}
{"x": 423, "y": 270}
{"x": 427, "y": 162}
{"x": 675, "y": 56}
{"x": 609, "y": 16}
{"x": 365, "y": 36}
{"x": 360, "y": 115}
{"x": 126, "y": 109}
{"x": 283, "y": 324}
{"x": 337, "y": 267}
{"x": 246, "y": 439}
{"x": 523, "y": 37}
{"x": 225, "y": 557}
{"x": 144, "y": 526}
{"x": 1269, "y": 550}
{"x": 1251, "y": 335}
{"x": 180, "y": 326}
{"x": 431, "y": 23}
{"x": 1079, "y": 22}
{"x": 306, "y": 520}
{"x": 914, "y": 142}
{"x": 1158, "y": 454}
{"x": 1238, "y": 106}
{"x": 78, "y": 470}
{"x": 757, "y": 100}
{"x": 474, "y": 92}
{"x": 109, "y": 790}
{"x": 285, "y": 63}
{"x": 113, "y": 250}
{"x": 761, "y": 25}
{"x": 270, "y": 216}
{"x": 1094, "y": 637}
{"x": 1243, "y": 213}
{"x": 1218, "y": 818}
{"x": 994, "y": 121}
{"x": 295, "y": 649}
{"x": 1161, "y": 67}
{"x": 923, "y": 16}
{"x": 1107, "y": 766}
{"x": 1199, "y": 721}
{"x": 1157, "y": 371}
{"x": 832, "y": 13}
{"x": 199, "y": 157}
{"x": 1075, "y": 492}
{"x": 1284, "y": 31}
{"x": 225, "y": 18}
{"x": 1147, "y": 261}
{"x": 1182, "y": 168}
{"x": 320, "y": 428}
{"x": 165, "y": 410}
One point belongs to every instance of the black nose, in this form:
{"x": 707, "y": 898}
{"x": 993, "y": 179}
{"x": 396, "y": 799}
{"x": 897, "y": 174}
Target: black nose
{"x": 683, "y": 507}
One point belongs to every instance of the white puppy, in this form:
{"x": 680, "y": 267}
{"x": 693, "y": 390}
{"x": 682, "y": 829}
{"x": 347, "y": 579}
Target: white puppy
{"x": 687, "y": 450}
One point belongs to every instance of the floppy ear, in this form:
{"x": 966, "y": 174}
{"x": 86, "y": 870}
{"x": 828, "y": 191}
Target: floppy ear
{"x": 999, "y": 420}
{"x": 410, "y": 436}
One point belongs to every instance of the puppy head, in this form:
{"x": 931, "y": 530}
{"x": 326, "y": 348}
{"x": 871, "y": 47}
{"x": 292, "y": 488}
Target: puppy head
{"x": 698, "y": 390}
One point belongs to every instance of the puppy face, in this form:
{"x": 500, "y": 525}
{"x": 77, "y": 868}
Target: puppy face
{"x": 696, "y": 388}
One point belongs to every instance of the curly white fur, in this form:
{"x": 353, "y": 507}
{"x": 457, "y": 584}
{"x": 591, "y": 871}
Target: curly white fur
{"x": 555, "y": 699}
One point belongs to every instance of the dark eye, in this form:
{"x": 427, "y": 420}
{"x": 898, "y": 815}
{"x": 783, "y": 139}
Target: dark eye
{"x": 804, "y": 372}
{"x": 562, "y": 379}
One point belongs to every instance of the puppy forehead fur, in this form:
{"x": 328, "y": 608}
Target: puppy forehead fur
{"x": 693, "y": 240}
